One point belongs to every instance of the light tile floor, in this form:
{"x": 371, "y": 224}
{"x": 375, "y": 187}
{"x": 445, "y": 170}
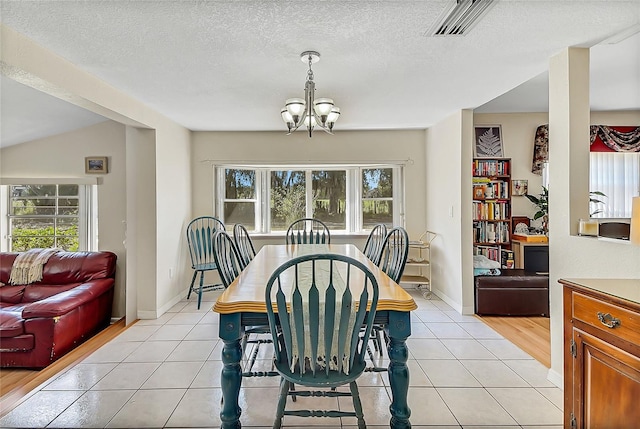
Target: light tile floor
{"x": 166, "y": 373}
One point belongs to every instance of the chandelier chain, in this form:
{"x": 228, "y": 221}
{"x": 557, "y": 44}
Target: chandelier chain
{"x": 310, "y": 72}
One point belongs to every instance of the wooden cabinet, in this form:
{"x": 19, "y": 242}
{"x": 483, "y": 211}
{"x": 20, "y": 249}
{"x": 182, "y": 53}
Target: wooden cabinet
{"x": 491, "y": 206}
{"x": 602, "y": 353}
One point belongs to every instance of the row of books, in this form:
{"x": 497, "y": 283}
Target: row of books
{"x": 504, "y": 256}
{"x": 483, "y": 188}
{"x": 491, "y": 210}
{"x": 490, "y": 167}
{"x": 490, "y": 252}
{"x": 491, "y": 232}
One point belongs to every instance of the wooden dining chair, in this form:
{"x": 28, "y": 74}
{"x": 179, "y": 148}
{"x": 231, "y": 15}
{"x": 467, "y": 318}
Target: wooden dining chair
{"x": 393, "y": 257}
{"x": 308, "y": 231}
{"x": 226, "y": 257}
{"x": 230, "y": 266}
{"x": 395, "y": 250}
{"x": 321, "y": 301}
{"x": 200, "y": 232}
{"x": 243, "y": 242}
{"x": 375, "y": 241}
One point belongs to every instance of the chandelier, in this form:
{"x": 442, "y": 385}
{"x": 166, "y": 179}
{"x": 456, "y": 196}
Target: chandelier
{"x": 312, "y": 112}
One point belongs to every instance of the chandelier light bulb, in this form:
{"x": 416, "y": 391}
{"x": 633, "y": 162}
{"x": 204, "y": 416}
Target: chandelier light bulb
{"x": 323, "y": 106}
{"x": 334, "y": 115}
{"x": 295, "y": 107}
{"x": 286, "y": 116}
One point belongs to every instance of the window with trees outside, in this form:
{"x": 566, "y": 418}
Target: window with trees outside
{"x": 50, "y": 215}
{"x": 347, "y": 199}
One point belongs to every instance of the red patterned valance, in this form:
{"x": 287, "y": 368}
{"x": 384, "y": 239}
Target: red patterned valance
{"x": 614, "y": 139}
{"x": 603, "y": 138}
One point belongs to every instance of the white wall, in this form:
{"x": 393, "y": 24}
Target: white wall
{"x": 571, "y": 255}
{"x": 448, "y": 169}
{"x": 63, "y": 156}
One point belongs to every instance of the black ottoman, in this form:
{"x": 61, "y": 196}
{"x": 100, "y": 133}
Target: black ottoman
{"x": 513, "y": 293}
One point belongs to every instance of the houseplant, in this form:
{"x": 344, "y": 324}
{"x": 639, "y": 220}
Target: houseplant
{"x": 541, "y": 201}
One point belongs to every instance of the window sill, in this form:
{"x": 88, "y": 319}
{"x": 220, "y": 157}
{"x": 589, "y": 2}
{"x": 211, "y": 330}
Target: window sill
{"x": 605, "y": 239}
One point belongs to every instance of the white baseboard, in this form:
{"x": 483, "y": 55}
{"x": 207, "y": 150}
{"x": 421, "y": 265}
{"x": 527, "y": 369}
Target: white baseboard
{"x": 556, "y": 378}
{"x": 150, "y": 314}
{"x": 455, "y": 305}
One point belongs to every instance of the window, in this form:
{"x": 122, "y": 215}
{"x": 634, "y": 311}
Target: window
{"x": 50, "y": 215}
{"x": 288, "y": 198}
{"x": 377, "y": 197}
{"x": 617, "y": 175}
{"x": 240, "y": 196}
{"x": 346, "y": 198}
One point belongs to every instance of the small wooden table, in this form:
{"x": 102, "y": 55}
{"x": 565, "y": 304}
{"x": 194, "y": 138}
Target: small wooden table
{"x": 243, "y": 304}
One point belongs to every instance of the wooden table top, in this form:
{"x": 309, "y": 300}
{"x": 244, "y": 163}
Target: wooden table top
{"x": 246, "y": 293}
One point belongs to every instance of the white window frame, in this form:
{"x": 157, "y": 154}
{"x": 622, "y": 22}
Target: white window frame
{"x": 353, "y": 192}
{"x": 87, "y": 212}
{"x": 397, "y": 189}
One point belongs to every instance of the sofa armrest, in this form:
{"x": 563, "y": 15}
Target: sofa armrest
{"x": 62, "y": 303}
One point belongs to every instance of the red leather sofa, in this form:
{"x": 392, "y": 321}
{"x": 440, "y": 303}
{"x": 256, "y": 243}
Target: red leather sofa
{"x": 42, "y": 321}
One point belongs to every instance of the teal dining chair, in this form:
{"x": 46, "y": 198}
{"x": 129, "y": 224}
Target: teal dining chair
{"x": 375, "y": 241}
{"x": 226, "y": 257}
{"x": 243, "y": 242}
{"x": 395, "y": 250}
{"x": 308, "y": 231}
{"x": 316, "y": 306}
{"x": 373, "y": 250}
{"x": 393, "y": 258}
{"x": 230, "y": 265}
{"x": 199, "y": 239}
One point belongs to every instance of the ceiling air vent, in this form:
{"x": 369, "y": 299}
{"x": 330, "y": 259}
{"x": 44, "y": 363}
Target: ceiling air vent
{"x": 460, "y": 17}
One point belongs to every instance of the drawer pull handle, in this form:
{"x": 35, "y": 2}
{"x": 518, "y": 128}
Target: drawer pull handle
{"x": 608, "y": 320}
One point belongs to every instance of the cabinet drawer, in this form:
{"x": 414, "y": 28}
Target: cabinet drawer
{"x": 626, "y": 322}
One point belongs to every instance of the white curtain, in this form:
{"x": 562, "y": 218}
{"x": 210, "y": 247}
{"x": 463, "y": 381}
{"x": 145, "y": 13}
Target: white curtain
{"x": 617, "y": 175}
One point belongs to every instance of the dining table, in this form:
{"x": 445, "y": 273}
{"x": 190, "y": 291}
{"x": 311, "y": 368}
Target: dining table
{"x": 242, "y": 305}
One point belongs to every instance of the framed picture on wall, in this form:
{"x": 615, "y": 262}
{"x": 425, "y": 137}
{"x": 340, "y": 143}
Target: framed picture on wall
{"x": 519, "y": 187}
{"x": 488, "y": 143}
{"x": 95, "y": 165}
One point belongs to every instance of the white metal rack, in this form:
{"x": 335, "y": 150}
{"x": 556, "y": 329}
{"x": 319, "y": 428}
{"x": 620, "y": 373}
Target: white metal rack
{"x": 419, "y": 263}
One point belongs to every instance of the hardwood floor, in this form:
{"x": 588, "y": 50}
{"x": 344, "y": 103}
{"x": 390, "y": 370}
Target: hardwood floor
{"x": 16, "y": 383}
{"x": 531, "y": 334}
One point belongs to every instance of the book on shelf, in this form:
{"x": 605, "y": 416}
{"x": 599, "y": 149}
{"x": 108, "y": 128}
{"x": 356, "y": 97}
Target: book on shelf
{"x": 507, "y": 259}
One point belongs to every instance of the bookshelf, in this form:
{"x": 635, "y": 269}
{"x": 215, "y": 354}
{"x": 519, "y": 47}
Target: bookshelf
{"x": 492, "y": 209}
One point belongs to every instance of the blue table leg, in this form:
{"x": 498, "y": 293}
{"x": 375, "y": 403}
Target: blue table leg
{"x": 399, "y": 329}
{"x": 231, "y": 378}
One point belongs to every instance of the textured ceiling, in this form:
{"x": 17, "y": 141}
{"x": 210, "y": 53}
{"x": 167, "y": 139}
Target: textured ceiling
{"x": 229, "y": 65}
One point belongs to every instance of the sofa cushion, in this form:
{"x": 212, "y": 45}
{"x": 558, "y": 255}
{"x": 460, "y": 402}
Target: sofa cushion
{"x": 11, "y": 322}
{"x": 67, "y": 267}
{"x": 78, "y": 267}
{"x": 37, "y": 291}
{"x": 6, "y": 262}
{"x": 11, "y": 294}
{"x": 19, "y": 343}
